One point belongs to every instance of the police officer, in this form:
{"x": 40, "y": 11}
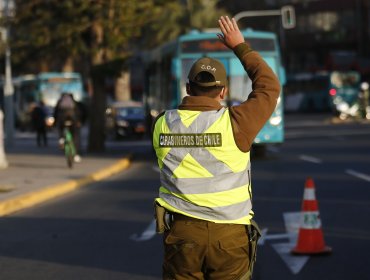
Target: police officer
{"x": 203, "y": 151}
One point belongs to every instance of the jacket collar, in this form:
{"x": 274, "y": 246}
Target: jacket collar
{"x": 199, "y": 103}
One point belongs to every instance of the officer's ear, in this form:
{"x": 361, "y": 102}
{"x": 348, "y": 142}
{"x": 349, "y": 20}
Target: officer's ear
{"x": 223, "y": 93}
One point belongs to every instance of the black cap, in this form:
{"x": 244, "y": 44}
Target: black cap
{"x": 213, "y": 67}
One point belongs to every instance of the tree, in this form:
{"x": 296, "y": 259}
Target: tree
{"x": 95, "y": 37}
{"x": 173, "y": 18}
{"x": 204, "y": 13}
{"x": 78, "y": 32}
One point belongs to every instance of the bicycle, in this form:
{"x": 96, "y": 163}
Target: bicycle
{"x": 69, "y": 146}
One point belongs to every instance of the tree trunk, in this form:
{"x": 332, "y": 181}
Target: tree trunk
{"x": 122, "y": 87}
{"x": 97, "y": 116}
{"x": 44, "y": 66}
{"x": 68, "y": 65}
{"x": 98, "y": 100}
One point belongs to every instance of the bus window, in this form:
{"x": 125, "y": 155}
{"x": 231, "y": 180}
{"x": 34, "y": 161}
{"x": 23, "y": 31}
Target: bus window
{"x": 240, "y": 85}
{"x": 51, "y": 88}
{"x": 166, "y": 84}
{"x": 215, "y": 45}
{"x": 185, "y": 68}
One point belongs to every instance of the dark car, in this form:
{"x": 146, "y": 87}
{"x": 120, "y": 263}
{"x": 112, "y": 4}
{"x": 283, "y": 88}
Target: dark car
{"x": 126, "y": 120}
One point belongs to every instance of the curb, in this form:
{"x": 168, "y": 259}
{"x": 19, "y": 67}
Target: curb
{"x": 31, "y": 199}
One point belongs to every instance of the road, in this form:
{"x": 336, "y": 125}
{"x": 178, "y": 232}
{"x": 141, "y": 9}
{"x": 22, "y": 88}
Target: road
{"x": 105, "y": 231}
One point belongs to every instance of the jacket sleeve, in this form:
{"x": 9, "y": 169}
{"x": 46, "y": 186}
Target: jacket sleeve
{"x": 249, "y": 117}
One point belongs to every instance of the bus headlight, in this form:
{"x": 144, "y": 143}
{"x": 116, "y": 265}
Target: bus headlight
{"x": 275, "y": 120}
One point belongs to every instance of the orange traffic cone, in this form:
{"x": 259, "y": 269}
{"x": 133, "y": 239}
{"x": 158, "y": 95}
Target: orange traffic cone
{"x": 310, "y": 236}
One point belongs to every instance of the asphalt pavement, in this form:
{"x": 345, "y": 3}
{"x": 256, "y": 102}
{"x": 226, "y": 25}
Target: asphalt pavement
{"x": 37, "y": 174}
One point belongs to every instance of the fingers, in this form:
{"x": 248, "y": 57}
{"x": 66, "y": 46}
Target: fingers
{"x": 226, "y": 25}
{"x": 235, "y": 25}
{"x": 222, "y": 25}
{"x": 229, "y": 24}
{"x": 231, "y": 35}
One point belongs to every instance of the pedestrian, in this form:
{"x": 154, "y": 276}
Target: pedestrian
{"x": 203, "y": 151}
{"x": 38, "y": 116}
{"x": 68, "y": 109}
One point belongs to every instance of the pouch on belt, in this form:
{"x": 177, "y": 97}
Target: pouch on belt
{"x": 254, "y": 235}
{"x": 160, "y": 217}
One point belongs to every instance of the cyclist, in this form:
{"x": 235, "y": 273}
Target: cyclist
{"x": 67, "y": 109}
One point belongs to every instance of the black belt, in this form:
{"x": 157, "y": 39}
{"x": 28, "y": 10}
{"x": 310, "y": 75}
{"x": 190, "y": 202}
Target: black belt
{"x": 181, "y": 217}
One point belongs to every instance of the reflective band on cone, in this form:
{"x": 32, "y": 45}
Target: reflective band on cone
{"x": 310, "y": 236}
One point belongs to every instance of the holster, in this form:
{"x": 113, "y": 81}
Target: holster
{"x": 160, "y": 217}
{"x": 254, "y": 233}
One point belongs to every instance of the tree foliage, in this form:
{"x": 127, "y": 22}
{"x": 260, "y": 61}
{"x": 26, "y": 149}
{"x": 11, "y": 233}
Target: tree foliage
{"x": 56, "y": 30}
{"x": 173, "y": 18}
{"x": 204, "y": 14}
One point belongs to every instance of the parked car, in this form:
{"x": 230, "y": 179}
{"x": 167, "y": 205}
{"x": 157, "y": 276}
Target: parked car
{"x": 125, "y": 120}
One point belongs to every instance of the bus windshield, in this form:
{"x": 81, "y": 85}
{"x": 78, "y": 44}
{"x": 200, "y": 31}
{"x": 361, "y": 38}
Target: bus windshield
{"x": 215, "y": 45}
{"x": 52, "y": 88}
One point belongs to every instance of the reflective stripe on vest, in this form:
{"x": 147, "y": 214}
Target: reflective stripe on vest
{"x": 203, "y": 173}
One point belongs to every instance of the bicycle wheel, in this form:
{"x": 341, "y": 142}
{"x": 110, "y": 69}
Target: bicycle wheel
{"x": 69, "y": 149}
{"x": 69, "y": 154}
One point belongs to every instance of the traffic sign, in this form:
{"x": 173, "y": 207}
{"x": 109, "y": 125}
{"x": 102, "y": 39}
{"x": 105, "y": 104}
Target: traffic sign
{"x": 288, "y": 17}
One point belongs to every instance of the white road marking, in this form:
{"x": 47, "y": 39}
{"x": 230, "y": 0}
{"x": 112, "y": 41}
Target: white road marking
{"x": 292, "y": 225}
{"x": 310, "y": 159}
{"x": 266, "y": 236}
{"x": 295, "y": 263}
{"x": 358, "y": 175}
{"x": 148, "y": 233}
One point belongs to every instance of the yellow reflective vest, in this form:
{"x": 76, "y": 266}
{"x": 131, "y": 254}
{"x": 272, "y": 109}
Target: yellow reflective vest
{"x": 204, "y": 175}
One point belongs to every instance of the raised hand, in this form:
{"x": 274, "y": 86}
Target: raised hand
{"x": 231, "y": 35}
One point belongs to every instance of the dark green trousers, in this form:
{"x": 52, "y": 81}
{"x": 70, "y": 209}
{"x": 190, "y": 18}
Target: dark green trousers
{"x": 197, "y": 249}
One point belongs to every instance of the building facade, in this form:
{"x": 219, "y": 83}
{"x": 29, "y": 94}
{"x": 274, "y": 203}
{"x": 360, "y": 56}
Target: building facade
{"x": 329, "y": 34}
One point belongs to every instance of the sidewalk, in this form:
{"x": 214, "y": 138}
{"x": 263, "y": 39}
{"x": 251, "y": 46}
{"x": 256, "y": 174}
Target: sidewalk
{"x": 36, "y": 174}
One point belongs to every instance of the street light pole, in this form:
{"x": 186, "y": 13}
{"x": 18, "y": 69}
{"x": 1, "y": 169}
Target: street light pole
{"x": 287, "y": 14}
{"x": 8, "y": 100}
{"x": 8, "y": 84}
{"x": 3, "y": 161}
{"x": 263, "y": 13}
